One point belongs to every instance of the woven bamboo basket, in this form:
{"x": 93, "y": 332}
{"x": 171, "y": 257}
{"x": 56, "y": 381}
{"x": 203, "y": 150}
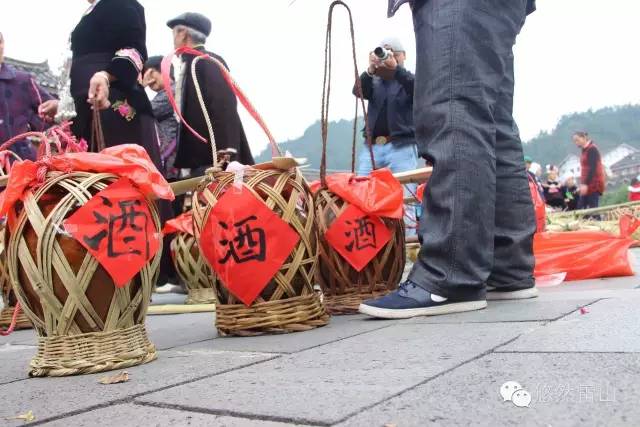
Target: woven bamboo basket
{"x": 192, "y": 269}
{"x": 289, "y": 302}
{"x": 85, "y": 324}
{"x": 6, "y": 290}
{"x": 344, "y": 288}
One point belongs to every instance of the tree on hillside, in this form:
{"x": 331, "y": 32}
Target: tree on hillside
{"x": 309, "y": 145}
{"x": 609, "y": 127}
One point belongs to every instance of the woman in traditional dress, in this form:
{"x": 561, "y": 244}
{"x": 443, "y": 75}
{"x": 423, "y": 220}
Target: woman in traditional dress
{"x": 109, "y": 50}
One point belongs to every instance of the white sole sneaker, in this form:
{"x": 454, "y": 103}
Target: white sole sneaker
{"x": 456, "y": 307}
{"x": 521, "y": 294}
{"x": 169, "y": 288}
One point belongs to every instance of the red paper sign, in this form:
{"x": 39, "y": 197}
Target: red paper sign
{"x": 181, "y": 224}
{"x": 246, "y": 243}
{"x": 117, "y": 228}
{"x": 357, "y": 236}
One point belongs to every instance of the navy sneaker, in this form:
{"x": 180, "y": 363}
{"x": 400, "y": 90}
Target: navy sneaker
{"x": 504, "y": 294}
{"x": 410, "y": 300}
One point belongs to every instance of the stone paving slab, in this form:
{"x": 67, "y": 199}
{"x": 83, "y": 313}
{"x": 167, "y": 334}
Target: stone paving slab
{"x": 168, "y": 331}
{"x": 130, "y": 415}
{"x": 611, "y": 283}
{"x": 340, "y": 327}
{"x": 566, "y": 390}
{"x": 21, "y": 337}
{"x": 14, "y": 362}
{"x": 161, "y": 299}
{"x": 611, "y": 325}
{"x": 165, "y": 331}
{"x": 533, "y": 310}
{"x": 326, "y": 384}
{"x": 52, "y": 397}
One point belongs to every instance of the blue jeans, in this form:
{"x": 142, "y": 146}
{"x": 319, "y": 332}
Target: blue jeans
{"x": 478, "y": 221}
{"x": 401, "y": 158}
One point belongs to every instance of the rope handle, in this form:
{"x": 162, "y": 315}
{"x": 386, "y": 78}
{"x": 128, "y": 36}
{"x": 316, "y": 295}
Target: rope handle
{"x": 166, "y": 78}
{"x": 14, "y": 321}
{"x": 97, "y": 135}
{"x": 326, "y": 92}
{"x": 5, "y": 161}
{"x": 59, "y": 136}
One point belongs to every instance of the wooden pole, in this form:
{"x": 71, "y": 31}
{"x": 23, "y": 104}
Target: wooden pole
{"x": 181, "y": 308}
{"x": 417, "y": 176}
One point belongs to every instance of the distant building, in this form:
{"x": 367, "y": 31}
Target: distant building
{"x": 570, "y": 166}
{"x": 626, "y": 169}
{"x": 614, "y": 156}
{"x": 40, "y": 71}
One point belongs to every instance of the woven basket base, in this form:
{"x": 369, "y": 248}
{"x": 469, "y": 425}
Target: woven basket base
{"x": 7, "y": 314}
{"x": 349, "y": 303}
{"x": 296, "y": 314}
{"x": 201, "y": 296}
{"x": 92, "y": 352}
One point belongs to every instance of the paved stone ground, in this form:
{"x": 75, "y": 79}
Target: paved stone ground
{"x": 581, "y": 368}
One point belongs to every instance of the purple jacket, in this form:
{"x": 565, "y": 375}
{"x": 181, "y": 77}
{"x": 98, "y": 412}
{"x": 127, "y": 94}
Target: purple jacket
{"x": 19, "y": 107}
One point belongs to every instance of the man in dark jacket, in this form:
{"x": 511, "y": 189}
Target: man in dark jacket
{"x": 20, "y": 97}
{"x": 388, "y": 87}
{"x": 191, "y": 30}
{"x": 478, "y": 217}
{"x": 592, "y": 175}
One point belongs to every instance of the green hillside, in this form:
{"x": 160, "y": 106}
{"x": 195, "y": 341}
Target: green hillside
{"x": 309, "y": 145}
{"x": 609, "y": 127}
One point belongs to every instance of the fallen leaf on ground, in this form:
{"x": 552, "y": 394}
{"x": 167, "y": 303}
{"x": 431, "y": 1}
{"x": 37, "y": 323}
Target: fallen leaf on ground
{"x": 122, "y": 377}
{"x": 27, "y": 418}
{"x": 584, "y": 310}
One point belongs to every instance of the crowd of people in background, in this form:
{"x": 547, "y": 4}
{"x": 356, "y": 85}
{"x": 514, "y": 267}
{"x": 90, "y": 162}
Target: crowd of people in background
{"x": 558, "y": 194}
{"x": 567, "y": 195}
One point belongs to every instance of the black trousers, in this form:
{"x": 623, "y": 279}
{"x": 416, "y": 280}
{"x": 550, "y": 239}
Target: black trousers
{"x": 478, "y": 221}
{"x": 589, "y": 201}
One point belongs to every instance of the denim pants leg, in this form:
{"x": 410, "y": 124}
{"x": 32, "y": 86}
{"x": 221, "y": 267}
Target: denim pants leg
{"x": 463, "y": 48}
{"x": 515, "y": 222}
{"x": 403, "y": 158}
{"x": 364, "y": 166}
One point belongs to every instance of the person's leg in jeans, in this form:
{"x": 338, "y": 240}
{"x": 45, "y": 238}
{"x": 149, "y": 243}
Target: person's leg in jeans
{"x": 465, "y": 46}
{"x": 404, "y": 158}
{"x": 513, "y": 261}
{"x": 363, "y": 164}
{"x": 462, "y": 56}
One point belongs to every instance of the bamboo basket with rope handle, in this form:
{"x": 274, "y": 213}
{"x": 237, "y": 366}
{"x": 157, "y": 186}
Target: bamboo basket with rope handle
{"x": 6, "y": 289}
{"x": 344, "y": 287}
{"x": 84, "y": 322}
{"x": 289, "y": 302}
{"x": 192, "y": 268}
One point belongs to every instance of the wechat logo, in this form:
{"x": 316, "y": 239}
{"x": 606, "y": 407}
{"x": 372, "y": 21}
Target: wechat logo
{"x": 514, "y": 392}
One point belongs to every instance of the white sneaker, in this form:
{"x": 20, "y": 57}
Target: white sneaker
{"x": 497, "y": 294}
{"x": 170, "y": 288}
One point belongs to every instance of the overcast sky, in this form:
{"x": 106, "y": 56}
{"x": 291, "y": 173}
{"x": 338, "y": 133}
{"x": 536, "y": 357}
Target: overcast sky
{"x": 572, "y": 55}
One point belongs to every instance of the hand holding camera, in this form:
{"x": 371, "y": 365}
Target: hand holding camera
{"x": 382, "y": 62}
